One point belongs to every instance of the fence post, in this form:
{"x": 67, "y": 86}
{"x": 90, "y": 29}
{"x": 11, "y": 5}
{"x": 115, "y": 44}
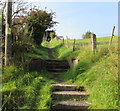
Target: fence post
{"x": 113, "y": 29}
{"x": 74, "y": 45}
{"x": 63, "y": 41}
{"x": 93, "y": 42}
{"x": 67, "y": 42}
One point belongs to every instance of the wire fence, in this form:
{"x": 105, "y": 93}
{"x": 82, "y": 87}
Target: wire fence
{"x": 78, "y": 44}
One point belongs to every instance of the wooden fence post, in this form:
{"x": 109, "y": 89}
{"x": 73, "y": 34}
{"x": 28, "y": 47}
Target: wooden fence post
{"x": 74, "y": 45}
{"x": 113, "y": 29}
{"x": 63, "y": 41}
{"x": 93, "y": 42}
{"x": 67, "y": 42}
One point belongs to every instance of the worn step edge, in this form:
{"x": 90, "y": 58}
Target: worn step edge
{"x": 69, "y": 93}
{"x": 66, "y": 87}
{"x": 70, "y": 105}
{"x": 56, "y": 66}
{"x": 65, "y": 95}
{"x": 57, "y": 70}
{"x": 54, "y": 60}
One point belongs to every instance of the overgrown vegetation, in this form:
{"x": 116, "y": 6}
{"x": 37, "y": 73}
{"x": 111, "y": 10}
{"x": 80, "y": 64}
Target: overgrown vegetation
{"x": 98, "y": 73}
{"x": 22, "y": 90}
{"x": 32, "y": 90}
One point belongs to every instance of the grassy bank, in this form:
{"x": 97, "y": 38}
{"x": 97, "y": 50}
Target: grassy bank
{"x": 22, "y": 90}
{"x": 98, "y": 73}
{"x": 26, "y": 90}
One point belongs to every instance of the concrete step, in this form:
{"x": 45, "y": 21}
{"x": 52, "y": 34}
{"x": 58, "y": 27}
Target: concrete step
{"x": 62, "y": 105}
{"x": 58, "y": 66}
{"x": 56, "y": 62}
{"x": 57, "y": 70}
{"x": 64, "y": 87}
{"x": 65, "y": 95}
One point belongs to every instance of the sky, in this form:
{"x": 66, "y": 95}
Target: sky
{"x": 76, "y": 18}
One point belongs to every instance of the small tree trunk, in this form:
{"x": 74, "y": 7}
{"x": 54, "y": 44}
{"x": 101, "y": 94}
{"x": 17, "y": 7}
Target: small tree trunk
{"x": 8, "y": 37}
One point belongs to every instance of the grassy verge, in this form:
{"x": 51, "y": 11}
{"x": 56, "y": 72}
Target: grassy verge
{"x": 25, "y": 90}
{"x": 98, "y": 73}
{"x": 38, "y": 52}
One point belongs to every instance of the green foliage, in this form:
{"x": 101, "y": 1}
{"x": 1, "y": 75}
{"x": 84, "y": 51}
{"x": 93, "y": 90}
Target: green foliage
{"x": 38, "y": 21}
{"x": 97, "y": 72}
{"x": 86, "y": 35}
{"x": 25, "y": 90}
{"x": 101, "y": 82}
{"x": 0, "y": 20}
{"x": 38, "y": 52}
{"x": 52, "y": 35}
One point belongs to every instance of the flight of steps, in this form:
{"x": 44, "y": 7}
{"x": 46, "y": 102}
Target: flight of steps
{"x": 57, "y": 65}
{"x": 66, "y": 97}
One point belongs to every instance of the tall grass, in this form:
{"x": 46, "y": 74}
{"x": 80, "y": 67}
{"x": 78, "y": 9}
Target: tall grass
{"x": 21, "y": 90}
{"x": 97, "y": 72}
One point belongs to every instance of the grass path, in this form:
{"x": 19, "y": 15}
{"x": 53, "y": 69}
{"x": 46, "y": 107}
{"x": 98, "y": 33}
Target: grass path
{"x": 50, "y": 55}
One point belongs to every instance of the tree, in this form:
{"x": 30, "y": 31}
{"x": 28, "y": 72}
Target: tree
{"x": 53, "y": 34}
{"x": 38, "y": 21}
{"x": 86, "y": 35}
{"x": 8, "y": 50}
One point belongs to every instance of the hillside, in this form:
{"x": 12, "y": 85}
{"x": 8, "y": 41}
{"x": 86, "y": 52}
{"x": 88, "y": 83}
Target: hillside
{"x": 98, "y": 73}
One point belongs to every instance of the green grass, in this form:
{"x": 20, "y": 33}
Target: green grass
{"x": 80, "y": 43}
{"x": 97, "y": 72}
{"x": 101, "y": 81}
{"x": 38, "y": 52}
{"x": 21, "y": 90}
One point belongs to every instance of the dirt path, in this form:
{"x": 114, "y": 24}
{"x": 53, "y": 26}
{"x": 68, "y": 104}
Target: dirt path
{"x": 50, "y": 55}
{"x": 64, "y": 96}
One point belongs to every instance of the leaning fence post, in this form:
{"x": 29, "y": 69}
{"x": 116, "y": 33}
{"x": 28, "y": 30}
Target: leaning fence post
{"x": 113, "y": 29}
{"x": 93, "y": 42}
{"x": 74, "y": 46}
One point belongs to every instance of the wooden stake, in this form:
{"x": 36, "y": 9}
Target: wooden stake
{"x": 93, "y": 42}
{"x": 74, "y": 45}
{"x": 113, "y": 30}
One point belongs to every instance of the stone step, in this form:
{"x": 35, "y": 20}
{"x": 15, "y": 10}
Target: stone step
{"x": 62, "y": 105}
{"x": 56, "y": 61}
{"x": 64, "y": 87}
{"x": 65, "y": 95}
{"x": 58, "y": 66}
{"x": 57, "y": 70}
